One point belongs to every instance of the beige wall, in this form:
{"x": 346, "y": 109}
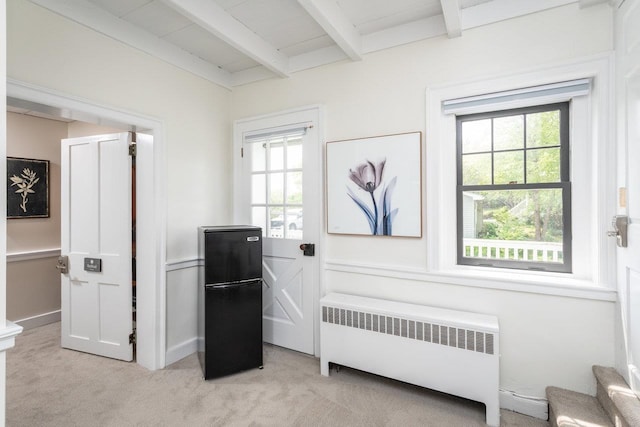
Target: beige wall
{"x": 78, "y": 129}
{"x": 36, "y": 138}
{"x": 33, "y": 286}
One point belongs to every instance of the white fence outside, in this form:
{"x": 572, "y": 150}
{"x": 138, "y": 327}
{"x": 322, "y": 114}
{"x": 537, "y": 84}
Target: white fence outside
{"x": 513, "y": 250}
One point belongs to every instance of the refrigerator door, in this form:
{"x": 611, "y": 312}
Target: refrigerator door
{"x": 232, "y": 329}
{"x": 232, "y": 254}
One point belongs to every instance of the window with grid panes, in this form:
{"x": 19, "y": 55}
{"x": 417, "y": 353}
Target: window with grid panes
{"x": 514, "y": 189}
{"x": 276, "y": 185}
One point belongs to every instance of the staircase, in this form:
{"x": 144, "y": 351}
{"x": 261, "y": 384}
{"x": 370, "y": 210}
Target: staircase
{"x": 615, "y": 404}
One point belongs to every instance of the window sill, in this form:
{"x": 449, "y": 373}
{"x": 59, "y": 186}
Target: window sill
{"x": 545, "y": 283}
{"x": 542, "y": 283}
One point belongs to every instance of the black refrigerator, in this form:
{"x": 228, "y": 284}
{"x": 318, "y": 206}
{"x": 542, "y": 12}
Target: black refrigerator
{"x": 230, "y": 299}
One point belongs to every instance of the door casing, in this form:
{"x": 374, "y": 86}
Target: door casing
{"x": 151, "y": 204}
{"x": 238, "y": 216}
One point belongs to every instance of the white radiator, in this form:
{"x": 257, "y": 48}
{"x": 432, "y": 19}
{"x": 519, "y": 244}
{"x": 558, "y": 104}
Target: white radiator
{"x": 450, "y": 351}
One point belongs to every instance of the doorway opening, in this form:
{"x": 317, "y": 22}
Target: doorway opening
{"x": 150, "y": 195}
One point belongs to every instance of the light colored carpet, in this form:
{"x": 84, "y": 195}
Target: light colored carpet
{"x": 50, "y": 386}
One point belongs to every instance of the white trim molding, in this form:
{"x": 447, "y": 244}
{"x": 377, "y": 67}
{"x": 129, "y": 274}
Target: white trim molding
{"x": 8, "y": 335}
{"x": 537, "y": 407}
{"x": 593, "y": 186}
{"x": 31, "y": 255}
{"x": 536, "y": 283}
{"x": 182, "y": 350}
{"x": 39, "y": 320}
{"x": 152, "y": 205}
{"x": 182, "y": 264}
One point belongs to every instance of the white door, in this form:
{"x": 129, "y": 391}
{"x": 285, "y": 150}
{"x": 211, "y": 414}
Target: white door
{"x": 628, "y": 100}
{"x": 278, "y": 189}
{"x": 96, "y": 238}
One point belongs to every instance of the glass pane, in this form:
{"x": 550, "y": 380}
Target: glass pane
{"x": 276, "y": 188}
{"x": 276, "y": 222}
{"x": 524, "y": 225}
{"x": 543, "y": 165}
{"x": 294, "y": 154}
{"x": 294, "y": 187}
{"x": 476, "y": 136}
{"x": 294, "y": 223}
{"x": 508, "y": 132}
{"x": 259, "y": 218}
{"x": 258, "y": 152}
{"x": 258, "y": 189}
{"x": 543, "y": 129}
{"x": 508, "y": 167}
{"x": 476, "y": 169}
{"x": 276, "y": 159}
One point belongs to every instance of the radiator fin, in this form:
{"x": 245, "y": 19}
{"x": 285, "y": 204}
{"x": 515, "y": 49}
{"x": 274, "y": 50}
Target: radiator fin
{"x": 463, "y": 339}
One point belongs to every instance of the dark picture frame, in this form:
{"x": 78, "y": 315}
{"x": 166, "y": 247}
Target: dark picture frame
{"x": 27, "y": 188}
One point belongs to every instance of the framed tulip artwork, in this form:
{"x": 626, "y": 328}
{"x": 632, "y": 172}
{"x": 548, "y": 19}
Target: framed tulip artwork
{"x": 374, "y": 186}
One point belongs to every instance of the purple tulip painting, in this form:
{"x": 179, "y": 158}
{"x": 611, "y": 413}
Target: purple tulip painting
{"x": 368, "y": 176}
{"x": 374, "y": 186}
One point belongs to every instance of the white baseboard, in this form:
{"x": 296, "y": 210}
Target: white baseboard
{"x": 533, "y": 406}
{"x": 181, "y": 351}
{"x": 39, "y": 320}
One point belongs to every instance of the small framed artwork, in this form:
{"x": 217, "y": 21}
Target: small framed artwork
{"x": 27, "y": 188}
{"x": 374, "y": 186}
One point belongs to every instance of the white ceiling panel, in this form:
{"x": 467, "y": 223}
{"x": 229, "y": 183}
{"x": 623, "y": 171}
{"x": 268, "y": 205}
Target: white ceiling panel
{"x": 396, "y": 12}
{"x": 119, "y": 8}
{"x": 232, "y": 42}
{"x": 280, "y": 22}
{"x": 201, "y": 43}
{"x": 307, "y": 46}
{"x": 157, "y": 18}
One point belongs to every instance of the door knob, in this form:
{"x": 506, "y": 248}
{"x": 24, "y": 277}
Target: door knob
{"x": 308, "y": 249}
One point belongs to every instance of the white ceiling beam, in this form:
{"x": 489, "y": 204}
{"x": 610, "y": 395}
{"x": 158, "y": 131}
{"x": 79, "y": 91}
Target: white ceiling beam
{"x": 332, "y": 19}
{"x": 501, "y": 10}
{"x": 452, "y": 20}
{"x": 218, "y": 22}
{"x": 97, "y": 19}
{"x": 587, "y": 3}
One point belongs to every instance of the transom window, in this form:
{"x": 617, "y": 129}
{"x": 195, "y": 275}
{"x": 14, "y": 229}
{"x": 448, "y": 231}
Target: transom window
{"x": 514, "y": 189}
{"x": 276, "y": 185}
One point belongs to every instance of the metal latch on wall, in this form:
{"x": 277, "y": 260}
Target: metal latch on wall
{"x": 63, "y": 264}
{"x": 620, "y": 224}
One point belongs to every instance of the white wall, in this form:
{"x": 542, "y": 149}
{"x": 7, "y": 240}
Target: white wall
{"x": 545, "y": 340}
{"x": 3, "y": 206}
{"x": 47, "y": 50}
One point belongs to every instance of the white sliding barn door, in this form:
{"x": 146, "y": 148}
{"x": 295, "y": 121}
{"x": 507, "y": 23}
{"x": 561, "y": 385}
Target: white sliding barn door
{"x": 97, "y": 239}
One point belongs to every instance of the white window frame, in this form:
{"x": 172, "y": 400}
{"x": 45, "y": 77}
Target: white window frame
{"x": 591, "y": 165}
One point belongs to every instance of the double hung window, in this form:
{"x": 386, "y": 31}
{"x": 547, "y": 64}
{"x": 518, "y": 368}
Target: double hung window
{"x": 513, "y": 188}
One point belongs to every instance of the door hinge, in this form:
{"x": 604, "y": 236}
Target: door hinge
{"x": 132, "y": 337}
{"x": 133, "y": 150}
{"x": 241, "y": 151}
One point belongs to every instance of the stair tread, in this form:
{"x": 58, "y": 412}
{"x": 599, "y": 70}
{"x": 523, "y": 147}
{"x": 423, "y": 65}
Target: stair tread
{"x": 573, "y": 409}
{"x": 624, "y": 399}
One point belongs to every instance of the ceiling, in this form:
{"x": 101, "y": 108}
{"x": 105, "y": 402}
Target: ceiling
{"x": 235, "y": 42}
